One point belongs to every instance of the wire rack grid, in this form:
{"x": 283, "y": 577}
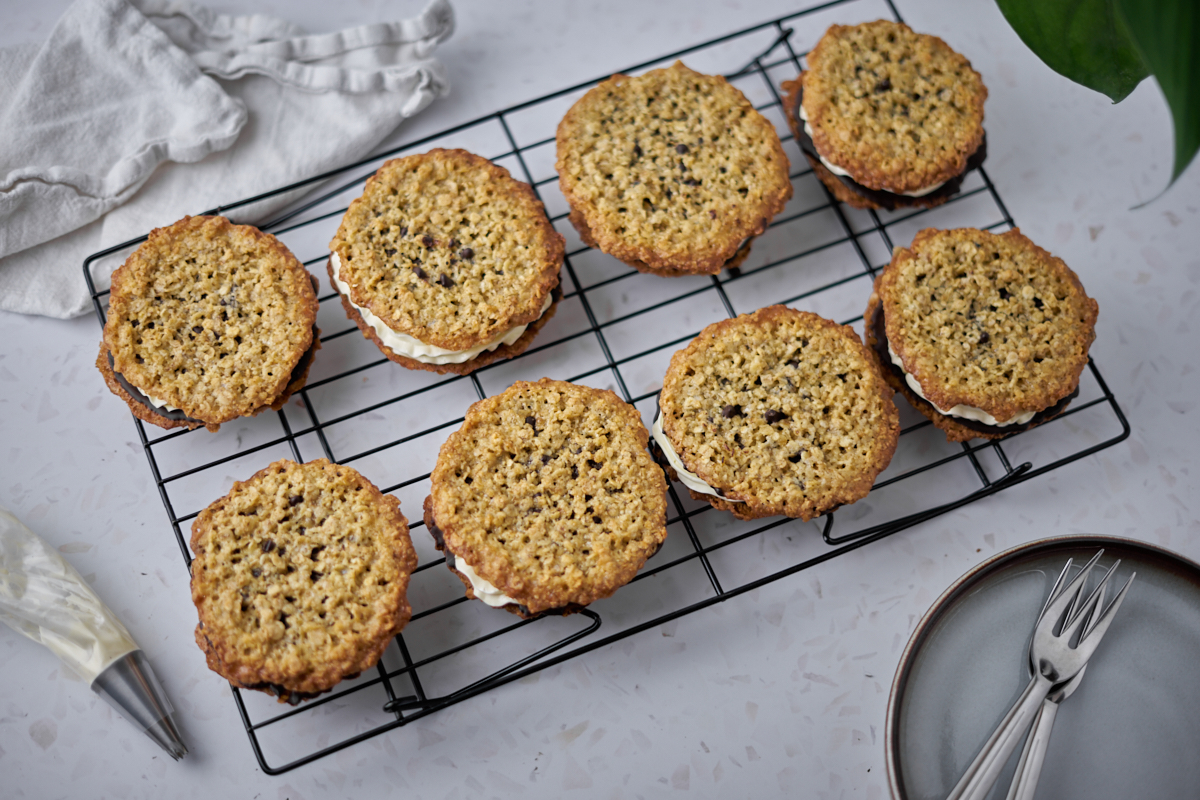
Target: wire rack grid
{"x": 615, "y": 328}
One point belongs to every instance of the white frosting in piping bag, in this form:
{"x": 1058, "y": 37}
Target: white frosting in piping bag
{"x": 44, "y": 597}
{"x": 964, "y": 412}
{"x": 836, "y": 170}
{"x": 688, "y": 479}
{"x": 405, "y": 345}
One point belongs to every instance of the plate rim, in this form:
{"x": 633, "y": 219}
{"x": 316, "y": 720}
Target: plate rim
{"x": 959, "y": 587}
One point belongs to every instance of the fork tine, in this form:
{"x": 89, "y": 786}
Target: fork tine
{"x": 1055, "y": 608}
{"x": 1090, "y": 623}
{"x": 1088, "y": 645}
{"x": 1054, "y": 592}
{"x": 1074, "y": 608}
{"x": 1058, "y": 582}
{"x": 1087, "y": 610}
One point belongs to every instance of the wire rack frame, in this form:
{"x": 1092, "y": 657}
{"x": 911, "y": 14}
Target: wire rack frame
{"x": 402, "y": 682}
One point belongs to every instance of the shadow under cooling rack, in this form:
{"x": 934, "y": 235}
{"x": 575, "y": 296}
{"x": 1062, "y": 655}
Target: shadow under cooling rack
{"x": 616, "y": 329}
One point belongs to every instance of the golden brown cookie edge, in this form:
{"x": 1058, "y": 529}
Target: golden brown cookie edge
{"x": 852, "y": 491}
{"x": 328, "y": 674}
{"x": 501, "y": 353}
{"x": 645, "y": 259}
{"x": 538, "y": 602}
{"x": 304, "y": 291}
{"x": 536, "y": 215}
{"x": 136, "y": 408}
{"x": 1007, "y": 409}
{"x": 865, "y": 172}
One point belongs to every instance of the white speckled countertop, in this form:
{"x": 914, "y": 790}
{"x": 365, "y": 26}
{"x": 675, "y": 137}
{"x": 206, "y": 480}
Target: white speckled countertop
{"x": 782, "y": 691}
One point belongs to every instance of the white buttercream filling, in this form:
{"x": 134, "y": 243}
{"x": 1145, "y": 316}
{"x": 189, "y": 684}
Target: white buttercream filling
{"x": 154, "y": 401}
{"x": 688, "y": 479}
{"x": 964, "y": 412}
{"x": 836, "y": 170}
{"x": 483, "y": 590}
{"x": 405, "y": 345}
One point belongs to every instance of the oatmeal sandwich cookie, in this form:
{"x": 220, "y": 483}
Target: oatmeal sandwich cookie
{"x": 985, "y": 334}
{"x": 300, "y": 578}
{"x": 446, "y": 262}
{"x": 888, "y": 118}
{"x": 208, "y": 321}
{"x": 546, "y": 498}
{"x": 776, "y": 412}
{"x": 672, "y": 172}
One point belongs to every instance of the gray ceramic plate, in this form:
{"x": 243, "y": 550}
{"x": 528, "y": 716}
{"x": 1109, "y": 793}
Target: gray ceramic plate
{"x": 1131, "y": 729}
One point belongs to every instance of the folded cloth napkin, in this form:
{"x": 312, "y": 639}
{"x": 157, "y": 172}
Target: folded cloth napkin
{"x": 137, "y": 112}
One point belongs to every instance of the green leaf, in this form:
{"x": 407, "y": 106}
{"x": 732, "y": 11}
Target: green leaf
{"x": 1082, "y": 40}
{"x": 1167, "y": 35}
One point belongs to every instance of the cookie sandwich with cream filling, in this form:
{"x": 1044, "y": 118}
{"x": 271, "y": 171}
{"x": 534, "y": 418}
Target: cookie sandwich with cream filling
{"x": 985, "y": 334}
{"x": 776, "y": 412}
{"x": 887, "y": 118}
{"x": 546, "y": 499}
{"x": 300, "y": 578}
{"x": 207, "y": 322}
{"x": 446, "y": 262}
{"x": 673, "y": 172}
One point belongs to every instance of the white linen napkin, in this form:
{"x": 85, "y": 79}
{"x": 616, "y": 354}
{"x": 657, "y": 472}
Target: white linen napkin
{"x": 137, "y": 112}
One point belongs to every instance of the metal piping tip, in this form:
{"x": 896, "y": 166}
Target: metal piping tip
{"x": 167, "y": 735}
{"x": 130, "y": 686}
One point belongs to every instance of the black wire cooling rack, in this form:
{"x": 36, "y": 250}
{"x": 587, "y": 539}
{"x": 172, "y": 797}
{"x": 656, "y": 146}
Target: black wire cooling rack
{"x": 617, "y": 329}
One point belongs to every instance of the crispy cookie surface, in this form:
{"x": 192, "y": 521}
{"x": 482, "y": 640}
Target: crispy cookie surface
{"x": 143, "y": 410}
{"x": 898, "y": 110}
{"x": 300, "y": 578}
{"x": 854, "y": 194}
{"x": 211, "y": 317}
{"x": 782, "y": 410}
{"x": 448, "y": 248}
{"x": 548, "y": 492}
{"x": 585, "y": 235}
{"x": 986, "y": 320}
{"x": 501, "y": 353}
{"x": 670, "y": 171}
{"x": 955, "y": 428}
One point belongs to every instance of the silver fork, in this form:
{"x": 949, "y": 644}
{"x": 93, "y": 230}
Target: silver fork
{"x": 1033, "y": 755}
{"x": 1054, "y": 661}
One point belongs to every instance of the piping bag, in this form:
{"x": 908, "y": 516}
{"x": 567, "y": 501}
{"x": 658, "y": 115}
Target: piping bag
{"x": 44, "y": 597}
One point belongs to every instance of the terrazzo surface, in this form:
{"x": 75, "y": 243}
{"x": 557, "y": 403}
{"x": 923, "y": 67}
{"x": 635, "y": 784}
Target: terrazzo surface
{"x": 779, "y": 692}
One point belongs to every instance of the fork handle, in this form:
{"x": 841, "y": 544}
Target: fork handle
{"x": 1033, "y": 756}
{"x": 977, "y": 781}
